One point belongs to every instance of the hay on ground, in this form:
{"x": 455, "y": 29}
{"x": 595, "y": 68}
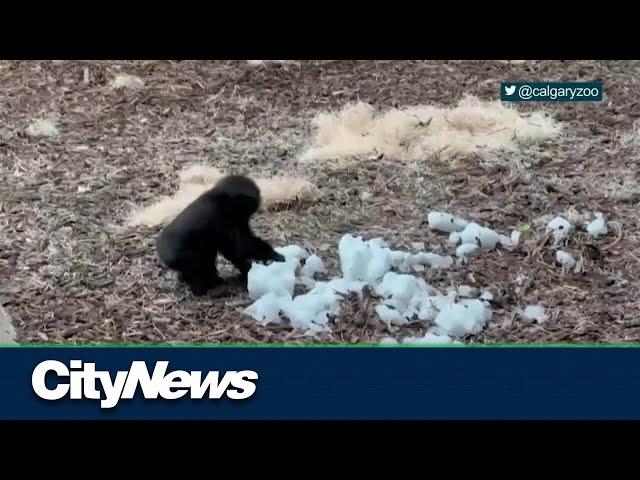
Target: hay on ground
{"x": 196, "y": 179}
{"x": 416, "y": 132}
{"x": 42, "y": 127}
{"x": 514, "y": 62}
{"x": 127, "y": 81}
{"x": 261, "y": 63}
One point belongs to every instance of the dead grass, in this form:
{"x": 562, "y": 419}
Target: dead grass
{"x": 127, "y": 81}
{"x": 197, "y": 179}
{"x": 416, "y": 133}
{"x": 42, "y": 127}
{"x": 73, "y": 276}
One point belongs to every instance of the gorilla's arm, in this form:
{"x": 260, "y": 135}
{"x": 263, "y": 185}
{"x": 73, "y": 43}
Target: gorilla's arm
{"x": 246, "y": 248}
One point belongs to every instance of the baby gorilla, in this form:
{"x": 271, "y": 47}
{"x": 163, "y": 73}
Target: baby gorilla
{"x": 216, "y": 222}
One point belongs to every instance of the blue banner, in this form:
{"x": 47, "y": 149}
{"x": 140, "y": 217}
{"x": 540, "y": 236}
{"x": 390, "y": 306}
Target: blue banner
{"x": 319, "y": 383}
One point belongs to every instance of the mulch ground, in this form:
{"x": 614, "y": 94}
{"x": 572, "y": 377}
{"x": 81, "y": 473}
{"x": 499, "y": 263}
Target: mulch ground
{"x": 69, "y": 271}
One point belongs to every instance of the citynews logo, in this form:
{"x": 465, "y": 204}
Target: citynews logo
{"x": 81, "y": 381}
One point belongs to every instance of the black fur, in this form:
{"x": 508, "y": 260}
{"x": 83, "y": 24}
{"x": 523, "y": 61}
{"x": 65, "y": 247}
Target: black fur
{"x": 216, "y": 222}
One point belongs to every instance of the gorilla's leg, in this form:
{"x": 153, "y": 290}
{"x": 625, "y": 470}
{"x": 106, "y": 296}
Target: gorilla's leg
{"x": 200, "y": 277}
{"x": 199, "y": 281}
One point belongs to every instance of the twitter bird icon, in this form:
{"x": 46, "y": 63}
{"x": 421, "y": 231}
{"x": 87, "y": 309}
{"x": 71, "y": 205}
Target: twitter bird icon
{"x": 509, "y": 90}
